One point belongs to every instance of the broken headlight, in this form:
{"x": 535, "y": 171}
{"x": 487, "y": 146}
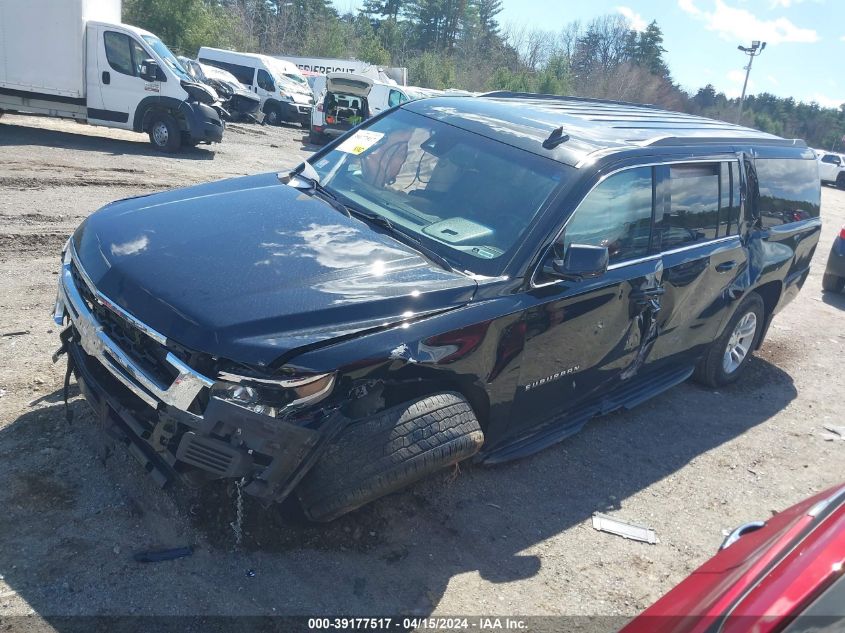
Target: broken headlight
{"x": 272, "y": 397}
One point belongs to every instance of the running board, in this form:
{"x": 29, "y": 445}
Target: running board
{"x": 625, "y": 396}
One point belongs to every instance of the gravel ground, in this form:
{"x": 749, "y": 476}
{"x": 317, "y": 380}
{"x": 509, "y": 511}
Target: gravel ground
{"x": 514, "y": 539}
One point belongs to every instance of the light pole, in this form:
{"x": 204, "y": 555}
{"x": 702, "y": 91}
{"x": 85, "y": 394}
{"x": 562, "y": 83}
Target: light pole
{"x": 752, "y": 51}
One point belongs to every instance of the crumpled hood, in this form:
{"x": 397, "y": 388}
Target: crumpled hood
{"x": 249, "y": 269}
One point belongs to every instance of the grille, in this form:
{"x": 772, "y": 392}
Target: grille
{"x": 149, "y": 354}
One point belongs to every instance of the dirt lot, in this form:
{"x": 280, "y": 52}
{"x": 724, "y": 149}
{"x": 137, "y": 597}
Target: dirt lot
{"x": 514, "y": 539}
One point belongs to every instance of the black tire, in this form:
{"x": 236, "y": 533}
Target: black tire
{"x": 840, "y": 180}
{"x": 388, "y": 451}
{"x": 164, "y": 132}
{"x": 273, "y": 114}
{"x": 711, "y": 370}
{"x": 316, "y": 138}
{"x": 833, "y": 283}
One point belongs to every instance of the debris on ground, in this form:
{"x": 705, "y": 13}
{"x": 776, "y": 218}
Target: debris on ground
{"x": 162, "y": 555}
{"x": 833, "y": 433}
{"x": 604, "y": 523}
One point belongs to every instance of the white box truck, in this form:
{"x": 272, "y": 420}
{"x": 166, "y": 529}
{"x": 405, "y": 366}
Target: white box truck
{"x": 74, "y": 59}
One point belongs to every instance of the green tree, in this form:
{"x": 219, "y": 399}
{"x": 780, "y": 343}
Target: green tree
{"x": 185, "y": 25}
{"x": 432, "y": 70}
{"x": 646, "y": 49}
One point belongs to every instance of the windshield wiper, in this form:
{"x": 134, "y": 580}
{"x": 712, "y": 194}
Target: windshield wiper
{"x": 315, "y": 188}
{"x": 385, "y": 223}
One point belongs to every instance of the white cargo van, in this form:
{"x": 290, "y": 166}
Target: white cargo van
{"x": 284, "y": 91}
{"x": 73, "y": 59}
{"x": 343, "y": 100}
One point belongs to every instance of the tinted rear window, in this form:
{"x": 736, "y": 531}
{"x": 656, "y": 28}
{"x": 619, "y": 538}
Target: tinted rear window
{"x": 694, "y": 215}
{"x": 789, "y": 190}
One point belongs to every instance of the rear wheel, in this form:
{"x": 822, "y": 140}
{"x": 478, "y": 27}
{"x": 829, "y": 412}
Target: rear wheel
{"x": 729, "y": 354}
{"x": 164, "y": 133}
{"x": 383, "y": 453}
{"x": 833, "y": 283}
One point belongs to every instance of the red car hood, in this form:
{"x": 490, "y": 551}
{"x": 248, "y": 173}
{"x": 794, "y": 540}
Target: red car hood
{"x": 763, "y": 579}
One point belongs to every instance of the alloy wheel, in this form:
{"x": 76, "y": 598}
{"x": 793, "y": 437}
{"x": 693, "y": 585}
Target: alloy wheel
{"x": 739, "y": 345}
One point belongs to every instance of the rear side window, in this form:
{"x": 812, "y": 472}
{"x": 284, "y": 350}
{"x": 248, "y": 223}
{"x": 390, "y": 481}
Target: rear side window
{"x": 616, "y": 214}
{"x": 789, "y": 190}
{"x": 118, "y": 52}
{"x": 265, "y": 81}
{"x": 693, "y": 214}
{"x": 832, "y": 159}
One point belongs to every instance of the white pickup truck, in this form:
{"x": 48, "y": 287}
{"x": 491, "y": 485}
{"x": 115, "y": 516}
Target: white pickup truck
{"x": 832, "y": 169}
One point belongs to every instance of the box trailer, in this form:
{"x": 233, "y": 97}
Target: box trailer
{"x": 74, "y": 59}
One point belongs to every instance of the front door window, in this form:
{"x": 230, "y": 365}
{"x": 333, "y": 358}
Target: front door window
{"x": 616, "y": 214}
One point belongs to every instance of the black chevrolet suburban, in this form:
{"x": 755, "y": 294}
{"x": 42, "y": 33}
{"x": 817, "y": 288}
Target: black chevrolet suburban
{"x": 457, "y": 277}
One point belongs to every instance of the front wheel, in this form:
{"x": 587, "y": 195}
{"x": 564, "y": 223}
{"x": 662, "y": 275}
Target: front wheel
{"x": 164, "y": 132}
{"x": 833, "y": 283}
{"x": 728, "y": 355}
{"x": 387, "y": 451}
{"x": 840, "y": 180}
{"x": 273, "y": 114}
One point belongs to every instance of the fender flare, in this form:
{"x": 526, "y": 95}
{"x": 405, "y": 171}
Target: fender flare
{"x": 271, "y": 103}
{"x": 148, "y": 105}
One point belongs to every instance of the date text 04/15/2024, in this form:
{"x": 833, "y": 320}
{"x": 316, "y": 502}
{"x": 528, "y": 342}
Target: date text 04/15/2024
{"x": 480, "y": 623}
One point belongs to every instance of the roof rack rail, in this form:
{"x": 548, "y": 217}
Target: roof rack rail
{"x": 669, "y": 141}
{"x": 508, "y": 94}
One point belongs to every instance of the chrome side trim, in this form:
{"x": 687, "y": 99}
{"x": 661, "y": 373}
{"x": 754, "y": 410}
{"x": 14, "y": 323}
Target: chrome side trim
{"x": 824, "y": 503}
{"x": 96, "y": 343}
{"x": 108, "y": 303}
{"x": 690, "y": 247}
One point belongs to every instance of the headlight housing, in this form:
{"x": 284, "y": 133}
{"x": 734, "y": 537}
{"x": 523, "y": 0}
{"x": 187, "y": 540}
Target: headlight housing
{"x": 273, "y": 397}
{"x": 200, "y": 92}
{"x": 285, "y": 96}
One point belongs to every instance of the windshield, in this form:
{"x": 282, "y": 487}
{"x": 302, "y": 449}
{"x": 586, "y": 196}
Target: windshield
{"x": 283, "y": 75}
{"x": 212, "y": 72}
{"x": 297, "y": 79}
{"x": 166, "y": 56}
{"x": 468, "y": 197}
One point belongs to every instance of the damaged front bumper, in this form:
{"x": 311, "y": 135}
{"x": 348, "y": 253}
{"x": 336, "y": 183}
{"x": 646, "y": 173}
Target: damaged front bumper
{"x": 175, "y": 427}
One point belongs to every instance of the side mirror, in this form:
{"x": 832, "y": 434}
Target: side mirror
{"x": 580, "y": 261}
{"x": 149, "y": 70}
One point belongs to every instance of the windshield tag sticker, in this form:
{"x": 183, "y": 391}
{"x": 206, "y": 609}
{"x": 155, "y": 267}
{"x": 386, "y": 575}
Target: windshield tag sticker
{"x": 360, "y": 142}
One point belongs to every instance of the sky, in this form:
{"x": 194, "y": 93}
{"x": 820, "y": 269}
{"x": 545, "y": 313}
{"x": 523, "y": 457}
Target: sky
{"x": 804, "y": 57}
